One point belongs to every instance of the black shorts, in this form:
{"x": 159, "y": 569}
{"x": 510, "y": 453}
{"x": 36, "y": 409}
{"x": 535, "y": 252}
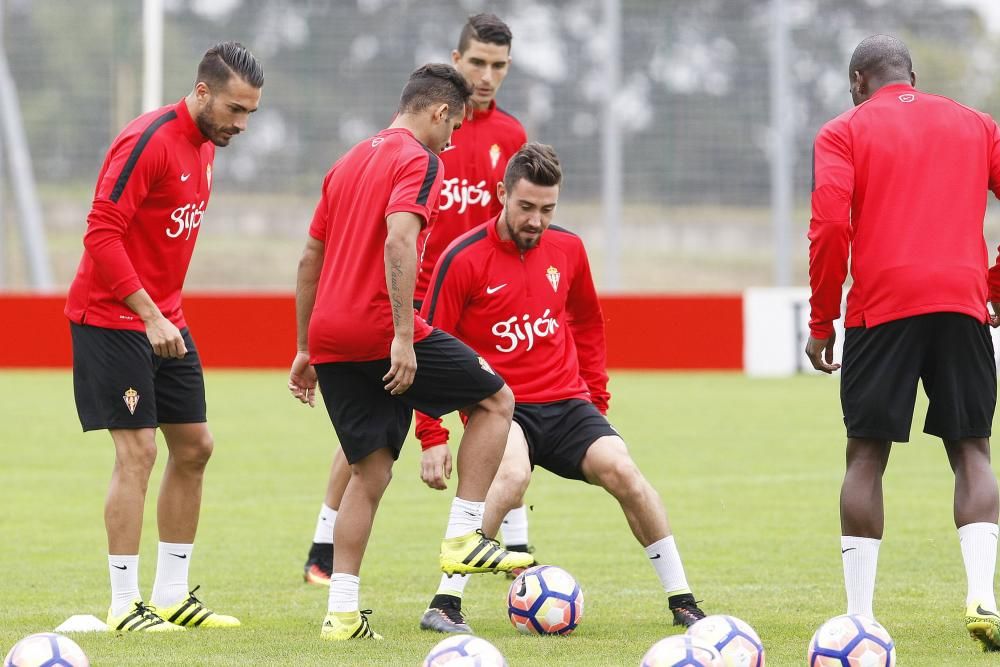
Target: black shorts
{"x": 120, "y": 383}
{"x": 559, "y": 434}
{"x": 450, "y": 376}
{"x": 953, "y": 355}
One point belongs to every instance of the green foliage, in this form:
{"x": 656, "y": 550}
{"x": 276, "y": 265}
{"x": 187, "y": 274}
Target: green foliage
{"x": 749, "y": 469}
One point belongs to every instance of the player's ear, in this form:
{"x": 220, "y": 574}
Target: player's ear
{"x": 441, "y": 113}
{"x": 501, "y": 193}
{"x": 455, "y": 57}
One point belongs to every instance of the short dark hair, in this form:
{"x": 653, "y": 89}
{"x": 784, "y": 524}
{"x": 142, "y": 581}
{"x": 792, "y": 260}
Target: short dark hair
{"x": 227, "y": 59}
{"x": 484, "y": 28}
{"x": 882, "y": 56}
{"x": 536, "y": 163}
{"x": 432, "y": 84}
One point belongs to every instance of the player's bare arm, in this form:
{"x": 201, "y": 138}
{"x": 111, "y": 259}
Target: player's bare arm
{"x": 302, "y": 377}
{"x": 820, "y": 353}
{"x": 995, "y": 315}
{"x": 400, "y": 278}
{"x": 163, "y": 335}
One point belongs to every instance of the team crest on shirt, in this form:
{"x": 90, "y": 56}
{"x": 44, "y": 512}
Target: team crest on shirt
{"x": 131, "y": 399}
{"x": 485, "y": 366}
{"x": 494, "y": 155}
{"x": 552, "y": 273}
{"x": 208, "y": 175}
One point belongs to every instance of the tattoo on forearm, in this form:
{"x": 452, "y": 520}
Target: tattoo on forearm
{"x": 395, "y": 273}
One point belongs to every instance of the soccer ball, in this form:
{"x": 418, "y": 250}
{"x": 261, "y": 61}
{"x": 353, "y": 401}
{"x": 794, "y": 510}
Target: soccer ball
{"x": 852, "y": 640}
{"x": 464, "y": 650}
{"x": 545, "y": 600}
{"x": 682, "y": 651}
{"x": 46, "y": 649}
{"x": 735, "y": 640}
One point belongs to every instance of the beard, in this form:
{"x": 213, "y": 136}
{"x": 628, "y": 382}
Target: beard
{"x": 217, "y": 134}
{"x": 523, "y": 244}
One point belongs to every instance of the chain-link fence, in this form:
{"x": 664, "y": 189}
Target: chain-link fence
{"x": 693, "y": 107}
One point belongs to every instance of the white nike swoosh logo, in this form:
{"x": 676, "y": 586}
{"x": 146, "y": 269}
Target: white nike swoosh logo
{"x": 491, "y": 290}
{"x": 184, "y": 177}
{"x": 448, "y": 148}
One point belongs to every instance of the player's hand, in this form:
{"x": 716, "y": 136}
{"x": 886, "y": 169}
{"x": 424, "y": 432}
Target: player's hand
{"x": 402, "y": 366}
{"x": 435, "y": 466}
{"x": 165, "y": 338}
{"x": 820, "y": 353}
{"x": 302, "y": 379}
{"x": 995, "y": 316}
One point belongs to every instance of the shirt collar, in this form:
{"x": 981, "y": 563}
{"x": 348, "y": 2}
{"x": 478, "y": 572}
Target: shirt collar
{"x": 188, "y": 127}
{"x": 891, "y": 88}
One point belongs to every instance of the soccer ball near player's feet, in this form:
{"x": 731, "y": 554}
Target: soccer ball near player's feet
{"x": 46, "y": 648}
{"x": 735, "y": 640}
{"x": 682, "y": 651}
{"x": 851, "y": 640}
{"x": 465, "y": 650}
{"x": 545, "y": 600}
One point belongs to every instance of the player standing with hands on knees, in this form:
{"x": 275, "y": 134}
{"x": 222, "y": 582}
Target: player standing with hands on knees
{"x": 135, "y": 365}
{"x": 898, "y": 188}
{"x": 374, "y": 358}
{"x": 474, "y": 164}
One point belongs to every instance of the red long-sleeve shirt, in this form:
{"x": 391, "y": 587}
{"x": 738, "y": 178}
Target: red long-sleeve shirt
{"x": 899, "y": 187}
{"x": 473, "y": 165}
{"x": 535, "y": 317}
{"x": 148, "y": 207}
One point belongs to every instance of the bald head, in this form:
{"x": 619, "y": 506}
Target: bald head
{"x": 878, "y": 60}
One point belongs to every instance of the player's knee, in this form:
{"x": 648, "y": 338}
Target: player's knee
{"x": 502, "y": 402}
{"x": 513, "y": 480}
{"x": 624, "y": 481}
{"x": 136, "y": 458}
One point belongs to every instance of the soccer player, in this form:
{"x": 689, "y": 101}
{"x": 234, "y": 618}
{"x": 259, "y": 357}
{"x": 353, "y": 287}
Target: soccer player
{"x": 474, "y": 163}
{"x": 135, "y": 365}
{"x": 374, "y": 358}
{"x": 898, "y": 187}
{"x": 520, "y": 291}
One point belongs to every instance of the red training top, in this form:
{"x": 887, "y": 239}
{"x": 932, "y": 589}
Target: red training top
{"x": 534, "y": 317}
{"x": 473, "y": 165}
{"x": 389, "y": 173}
{"x": 898, "y": 183}
{"x": 148, "y": 206}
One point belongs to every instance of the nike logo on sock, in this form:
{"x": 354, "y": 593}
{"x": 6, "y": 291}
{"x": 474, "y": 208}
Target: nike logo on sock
{"x": 120, "y": 567}
{"x": 844, "y": 551}
{"x": 654, "y": 557}
{"x": 178, "y": 555}
{"x": 984, "y": 612}
{"x": 467, "y": 513}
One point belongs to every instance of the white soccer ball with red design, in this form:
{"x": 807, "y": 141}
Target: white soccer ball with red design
{"x": 682, "y": 651}
{"x": 852, "y": 640}
{"x": 46, "y": 649}
{"x": 464, "y": 651}
{"x": 736, "y": 641}
{"x": 545, "y": 600}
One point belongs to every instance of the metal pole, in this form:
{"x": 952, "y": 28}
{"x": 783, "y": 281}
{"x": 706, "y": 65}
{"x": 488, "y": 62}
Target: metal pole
{"x": 611, "y": 148}
{"x": 781, "y": 146}
{"x": 152, "y": 54}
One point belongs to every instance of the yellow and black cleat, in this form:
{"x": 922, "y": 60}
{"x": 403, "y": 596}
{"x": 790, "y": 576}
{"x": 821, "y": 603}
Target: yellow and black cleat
{"x": 140, "y": 619}
{"x": 191, "y": 613}
{"x": 474, "y": 552}
{"x": 343, "y": 625}
{"x": 983, "y": 626}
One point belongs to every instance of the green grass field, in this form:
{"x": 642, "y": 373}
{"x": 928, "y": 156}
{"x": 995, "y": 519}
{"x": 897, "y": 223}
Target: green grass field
{"x": 749, "y": 469}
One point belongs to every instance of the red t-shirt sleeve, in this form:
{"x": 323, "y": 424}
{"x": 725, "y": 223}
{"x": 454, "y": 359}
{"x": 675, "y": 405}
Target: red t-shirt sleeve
{"x": 830, "y": 225}
{"x": 586, "y": 321}
{"x": 416, "y": 185}
{"x": 994, "y": 274}
{"x": 317, "y": 228}
{"x": 123, "y": 187}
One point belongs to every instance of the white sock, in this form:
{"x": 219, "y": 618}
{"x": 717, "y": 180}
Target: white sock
{"x": 124, "y": 582}
{"x": 514, "y": 528}
{"x": 453, "y": 584}
{"x": 465, "y": 517}
{"x": 324, "y": 525}
{"x": 171, "y": 583}
{"x": 665, "y": 559}
{"x": 343, "y": 592}
{"x": 860, "y": 556}
{"x": 979, "y": 552}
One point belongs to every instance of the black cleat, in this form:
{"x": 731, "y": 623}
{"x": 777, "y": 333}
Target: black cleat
{"x": 685, "y": 609}
{"x": 319, "y": 565}
{"x": 445, "y": 615}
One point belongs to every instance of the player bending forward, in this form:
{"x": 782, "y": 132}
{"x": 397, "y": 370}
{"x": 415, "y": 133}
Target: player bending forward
{"x": 529, "y": 306}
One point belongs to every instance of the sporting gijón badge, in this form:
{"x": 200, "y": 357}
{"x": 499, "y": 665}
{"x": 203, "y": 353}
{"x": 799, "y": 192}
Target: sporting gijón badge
{"x": 131, "y": 398}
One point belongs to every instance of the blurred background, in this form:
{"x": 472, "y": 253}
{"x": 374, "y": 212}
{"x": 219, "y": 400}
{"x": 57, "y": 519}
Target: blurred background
{"x": 685, "y": 128}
